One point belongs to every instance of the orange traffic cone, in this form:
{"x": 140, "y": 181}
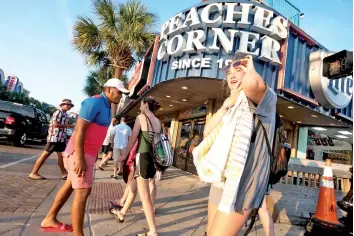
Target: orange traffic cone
{"x": 326, "y": 209}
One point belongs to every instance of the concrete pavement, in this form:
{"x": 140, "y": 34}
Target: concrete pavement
{"x": 181, "y": 204}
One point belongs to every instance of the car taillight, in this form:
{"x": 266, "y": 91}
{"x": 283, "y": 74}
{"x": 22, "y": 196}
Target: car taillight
{"x": 10, "y": 120}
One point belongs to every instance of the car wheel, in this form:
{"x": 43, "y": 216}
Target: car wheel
{"x": 20, "y": 139}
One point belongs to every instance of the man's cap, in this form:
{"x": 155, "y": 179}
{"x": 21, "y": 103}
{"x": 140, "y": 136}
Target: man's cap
{"x": 116, "y": 83}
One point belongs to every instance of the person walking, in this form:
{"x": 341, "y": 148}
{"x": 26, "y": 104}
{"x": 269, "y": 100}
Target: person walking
{"x": 80, "y": 157}
{"x": 107, "y": 147}
{"x": 145, "y": 127}
{"x": 56, "y": 140}
{"x": 120, "y": 135}
{"x": 246, "y": 167}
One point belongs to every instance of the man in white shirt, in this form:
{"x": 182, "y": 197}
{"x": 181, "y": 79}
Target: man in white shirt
{"x": 120, "y": 136}
{"x": 107, "y": 147}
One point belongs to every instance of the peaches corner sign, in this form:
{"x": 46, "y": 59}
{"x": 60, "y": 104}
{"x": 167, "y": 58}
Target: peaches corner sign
{"x": 205, "y": 29}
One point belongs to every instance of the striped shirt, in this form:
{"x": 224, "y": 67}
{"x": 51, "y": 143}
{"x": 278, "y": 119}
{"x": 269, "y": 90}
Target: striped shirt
{"x": 56, "y": 135}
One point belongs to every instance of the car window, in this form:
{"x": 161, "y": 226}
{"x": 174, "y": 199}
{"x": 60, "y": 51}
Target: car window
{"x": 28, "y": 111}
{"x": 43, "y": 118}
{"x": 16, "y": 108}
{"x": 5, "y": 106}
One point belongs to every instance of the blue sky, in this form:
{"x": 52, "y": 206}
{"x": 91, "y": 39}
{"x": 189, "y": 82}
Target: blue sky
{"x": 35, "y": 39}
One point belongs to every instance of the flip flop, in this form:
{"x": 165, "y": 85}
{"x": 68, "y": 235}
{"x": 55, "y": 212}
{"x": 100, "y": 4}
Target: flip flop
{"x": 60, "y": 228}
{"x": 38, "y": 177}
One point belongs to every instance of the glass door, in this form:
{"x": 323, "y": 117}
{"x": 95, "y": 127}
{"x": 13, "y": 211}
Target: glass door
{"x": 182, "y": 147}
{"x": 190, "y": 136}
{"x": 196, "y": 135}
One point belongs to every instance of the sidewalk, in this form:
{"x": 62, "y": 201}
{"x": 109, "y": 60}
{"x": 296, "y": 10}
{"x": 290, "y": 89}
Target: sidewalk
{"x": 181, "y": 210}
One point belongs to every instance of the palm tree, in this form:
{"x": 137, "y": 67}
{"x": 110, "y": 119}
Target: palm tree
{"x": 96, "y": 79}
{"x": 94, "y": 82}
{"x": 121, "y": 34}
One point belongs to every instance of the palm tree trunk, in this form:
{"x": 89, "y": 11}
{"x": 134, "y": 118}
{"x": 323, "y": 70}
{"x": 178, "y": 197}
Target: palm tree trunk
{"x": 118, "y": 72}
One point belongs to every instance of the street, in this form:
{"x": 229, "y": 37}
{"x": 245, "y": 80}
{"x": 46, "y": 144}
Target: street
{"x": 18, "y": 193}
{"x": 181, "y": 200}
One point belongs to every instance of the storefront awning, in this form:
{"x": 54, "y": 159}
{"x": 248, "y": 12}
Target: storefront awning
{"x": 181, "y": 94}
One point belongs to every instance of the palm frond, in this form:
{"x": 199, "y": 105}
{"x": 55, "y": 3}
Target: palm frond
{"x": 121, "y": 34}
{"x": 87, "y": 36}
{"x": 105, "y": 11}
{"x": 136, "y": 24}
{"x": 98, "y": 58}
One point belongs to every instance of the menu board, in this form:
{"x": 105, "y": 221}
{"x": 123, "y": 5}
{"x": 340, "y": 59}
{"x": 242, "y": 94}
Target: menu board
{"x": 338, "y": 156}
{"x": 321, "y": 147}
{"x": 191, "y": 113}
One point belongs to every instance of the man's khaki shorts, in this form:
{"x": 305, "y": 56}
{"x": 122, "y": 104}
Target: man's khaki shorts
{"x": 118, "y": 154}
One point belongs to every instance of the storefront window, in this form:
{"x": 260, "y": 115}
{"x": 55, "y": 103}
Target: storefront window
{"x": 333, "y": 143}
{"x": 191, "y": 135}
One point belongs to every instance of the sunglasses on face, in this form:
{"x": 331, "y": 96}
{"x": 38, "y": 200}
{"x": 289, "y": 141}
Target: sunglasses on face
{"x": 235, "y": 64}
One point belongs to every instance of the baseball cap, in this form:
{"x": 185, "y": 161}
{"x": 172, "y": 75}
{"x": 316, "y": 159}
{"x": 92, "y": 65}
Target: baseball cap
{"x": 116, "y": 83}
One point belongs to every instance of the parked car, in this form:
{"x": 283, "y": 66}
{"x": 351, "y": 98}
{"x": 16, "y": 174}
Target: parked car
{"x": 72, "y": 121}
{"x": 20, "y": 122}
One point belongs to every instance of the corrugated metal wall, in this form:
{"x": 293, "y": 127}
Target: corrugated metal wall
{"x": 297, "y": 65}
{"x": 297, "y": 70}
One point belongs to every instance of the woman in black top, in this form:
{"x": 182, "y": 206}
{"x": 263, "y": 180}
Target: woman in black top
{"x": 146, "y": 125}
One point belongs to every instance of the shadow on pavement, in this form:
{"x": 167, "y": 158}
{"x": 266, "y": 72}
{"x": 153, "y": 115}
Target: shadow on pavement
{"x": 29, "y": 144}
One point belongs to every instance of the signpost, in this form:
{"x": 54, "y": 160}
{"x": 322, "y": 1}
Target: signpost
{"x": 330, "y": 93}
{"x": 338, "y": 65}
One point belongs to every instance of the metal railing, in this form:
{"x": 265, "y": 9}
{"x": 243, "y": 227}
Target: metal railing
{"x": 311, "y": 177}
{"x": 286, "y": 8}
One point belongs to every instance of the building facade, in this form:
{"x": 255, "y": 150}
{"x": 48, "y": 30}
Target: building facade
{"x": 12, "y": 83}
{"x": 183, "y": 70}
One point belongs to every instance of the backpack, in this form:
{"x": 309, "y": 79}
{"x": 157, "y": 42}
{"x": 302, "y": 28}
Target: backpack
{"x": 279, "y": 157}
{"x": 279, "y": 154}
{"x": 162, "y": 153}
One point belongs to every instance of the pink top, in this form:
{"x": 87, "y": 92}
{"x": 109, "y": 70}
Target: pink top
{"x": 94, "y": 136}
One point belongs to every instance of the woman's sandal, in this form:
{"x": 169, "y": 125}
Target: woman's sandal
{"x": 117, "y": 214}
{"x": 113, "y": 205}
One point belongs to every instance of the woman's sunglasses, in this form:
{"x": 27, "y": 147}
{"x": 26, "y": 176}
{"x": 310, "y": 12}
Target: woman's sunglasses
{"x": 234, "y": 64}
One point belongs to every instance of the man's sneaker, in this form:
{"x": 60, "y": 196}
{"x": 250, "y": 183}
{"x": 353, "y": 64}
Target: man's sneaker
{"x": 114, "y": 177}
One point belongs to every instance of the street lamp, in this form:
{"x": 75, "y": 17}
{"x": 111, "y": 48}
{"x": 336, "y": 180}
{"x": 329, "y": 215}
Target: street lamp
{"x": 302, "y": 16}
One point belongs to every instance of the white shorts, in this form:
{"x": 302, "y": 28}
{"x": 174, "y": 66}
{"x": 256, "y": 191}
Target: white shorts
{"x": 118, "y": 154}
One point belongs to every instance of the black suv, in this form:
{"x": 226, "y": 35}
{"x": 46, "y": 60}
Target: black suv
{"x": 20, "y": 122}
